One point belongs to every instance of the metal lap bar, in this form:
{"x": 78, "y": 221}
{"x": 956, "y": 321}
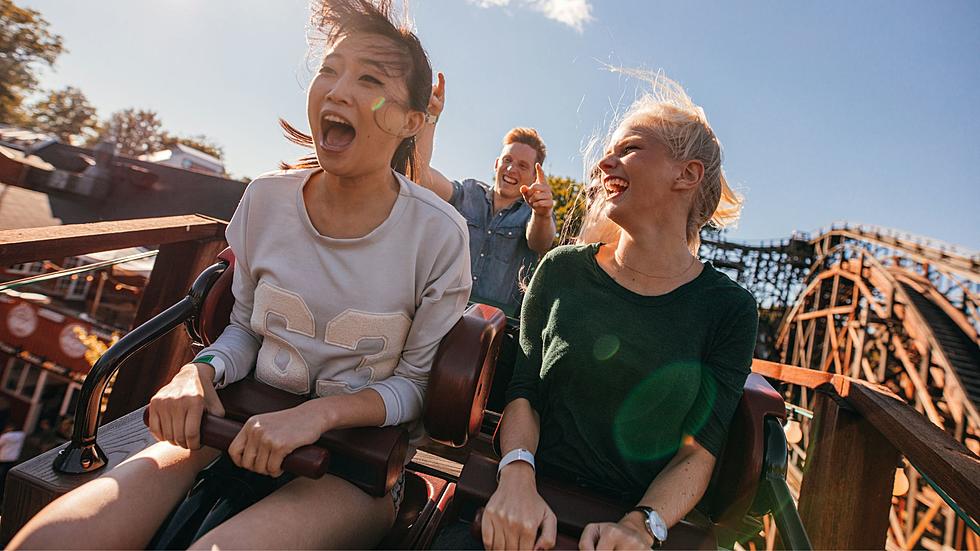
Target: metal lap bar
{"x": 83, "y": 455}
{"x": 776, "y": 491}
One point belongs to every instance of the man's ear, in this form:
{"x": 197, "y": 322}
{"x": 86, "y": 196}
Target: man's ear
{"x": 413, "y": 123}
{"x": 689, "y": 175}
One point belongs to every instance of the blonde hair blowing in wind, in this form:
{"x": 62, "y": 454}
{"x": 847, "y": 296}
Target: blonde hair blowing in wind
{"x": 682, "y": 126}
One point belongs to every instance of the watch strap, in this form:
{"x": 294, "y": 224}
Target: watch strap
{"x": 651, "y": 517}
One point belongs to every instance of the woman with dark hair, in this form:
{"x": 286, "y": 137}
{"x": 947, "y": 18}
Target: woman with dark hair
{"x": 317, "y": 312}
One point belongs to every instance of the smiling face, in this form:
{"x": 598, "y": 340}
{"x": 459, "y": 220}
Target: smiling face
{"x": 640, "y": 179}
{"x": 514, "y": 168}
{"x": 356, "y": 105}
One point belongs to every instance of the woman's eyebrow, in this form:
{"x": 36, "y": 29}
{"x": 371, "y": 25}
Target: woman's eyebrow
{"x": 379, "y": 66}
{"x": 626, "y": 140}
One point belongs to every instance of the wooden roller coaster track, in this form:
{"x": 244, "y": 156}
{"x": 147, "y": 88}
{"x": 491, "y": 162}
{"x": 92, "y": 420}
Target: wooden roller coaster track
{"x": 882, "y": 306}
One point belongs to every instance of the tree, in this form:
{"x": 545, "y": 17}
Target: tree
{"x": 569, "y": 205}
{"x": 65, "y": 113}
{"x": 135, "y": 132}
{"x": 199, "y": 142}
{"x": 25, "y": 43}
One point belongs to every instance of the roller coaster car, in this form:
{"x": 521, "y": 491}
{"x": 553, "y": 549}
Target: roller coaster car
{"x": 372, "y": 458}
{"x": 749, "y": 478}
{"x": 749, "y": 481}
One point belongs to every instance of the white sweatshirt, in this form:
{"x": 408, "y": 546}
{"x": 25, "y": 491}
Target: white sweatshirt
{"x": 322, "y": 316}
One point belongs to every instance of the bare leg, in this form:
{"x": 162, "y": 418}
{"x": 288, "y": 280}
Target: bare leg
{"x": 329, "y": 513}
{"x": 121, "y": 510}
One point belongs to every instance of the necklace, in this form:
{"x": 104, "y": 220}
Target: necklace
{"x": 632, "y": 269}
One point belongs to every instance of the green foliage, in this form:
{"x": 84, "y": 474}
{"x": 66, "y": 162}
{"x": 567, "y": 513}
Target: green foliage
{"x": 25, "y": 43}
{"x": 569, "y": 206}
{"x": 135, "y": 132}
{"x": 199, "y": 142}
{"x": 65, "y": 113}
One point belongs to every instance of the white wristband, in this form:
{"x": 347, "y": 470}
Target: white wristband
{"x": 519, "y": 454}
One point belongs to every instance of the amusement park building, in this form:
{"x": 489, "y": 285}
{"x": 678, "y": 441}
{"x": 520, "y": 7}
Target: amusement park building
{"x": 43, "y": 324}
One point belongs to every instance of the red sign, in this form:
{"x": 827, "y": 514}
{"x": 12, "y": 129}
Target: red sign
{"x": 46, "y": 333}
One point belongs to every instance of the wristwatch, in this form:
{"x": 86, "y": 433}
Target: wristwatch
{"x": 519, "y": 454}
{"x": 654, "y": 524}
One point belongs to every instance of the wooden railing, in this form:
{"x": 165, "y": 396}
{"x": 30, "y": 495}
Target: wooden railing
{"x": 187, "y": 245}
{"x": 860, "y": 432}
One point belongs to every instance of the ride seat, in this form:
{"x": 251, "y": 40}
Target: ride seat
{"x": 736, "y": 478}
{"x": 459, "y": 384}
{"x": 731, "y": 494}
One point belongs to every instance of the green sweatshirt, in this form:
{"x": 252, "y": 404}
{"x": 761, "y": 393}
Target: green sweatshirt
{"x": 620, "y": 379}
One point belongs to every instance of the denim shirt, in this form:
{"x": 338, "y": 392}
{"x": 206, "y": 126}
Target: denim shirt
{"x": 500, "y": 258}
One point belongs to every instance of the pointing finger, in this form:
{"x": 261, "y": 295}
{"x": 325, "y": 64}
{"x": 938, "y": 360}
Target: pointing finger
{"x": 540, "y": 175}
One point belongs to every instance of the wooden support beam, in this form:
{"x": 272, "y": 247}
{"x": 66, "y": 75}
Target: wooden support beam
{"x": 811, "y": 336}
{"x": 882, "y": 358}
{"x": 825, "y": 312}
{"x": 176, "y": 267}
{"x": 58, "y": 242}
{"x": 922, "y": 393}
{"x": 846, "y": 511}
{"x": 825, "y": 358}
{"x": 858, "y": 346}
{"x": 896, "y": 528}
{"x": 923, "y": 524}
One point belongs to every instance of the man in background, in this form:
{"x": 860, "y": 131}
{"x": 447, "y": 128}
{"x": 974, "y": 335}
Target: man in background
{"x": 511, "y": 222}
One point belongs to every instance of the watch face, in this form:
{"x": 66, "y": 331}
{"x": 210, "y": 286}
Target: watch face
{"x": 657, "y": 526}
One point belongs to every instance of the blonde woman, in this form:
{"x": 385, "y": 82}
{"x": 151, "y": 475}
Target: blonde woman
{"x": 632, "y": 352}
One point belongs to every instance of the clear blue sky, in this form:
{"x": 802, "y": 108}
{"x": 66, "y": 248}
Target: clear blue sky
{"x": 863, "y": 111}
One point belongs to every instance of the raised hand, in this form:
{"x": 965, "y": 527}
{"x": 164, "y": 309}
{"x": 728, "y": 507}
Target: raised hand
{"x": 437, "y": 101}
{"x": 177, "y": 408}
{"x": 538, "y": 195}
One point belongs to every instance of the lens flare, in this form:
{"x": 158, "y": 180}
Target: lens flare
{"x": 673, "y": 401}
{"x": 605, "y": 347}
{"x": 378, "y": 103}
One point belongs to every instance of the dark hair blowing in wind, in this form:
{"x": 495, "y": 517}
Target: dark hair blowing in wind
{"x": 330, "y": 20}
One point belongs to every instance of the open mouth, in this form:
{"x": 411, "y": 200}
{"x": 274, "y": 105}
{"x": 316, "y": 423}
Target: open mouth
{"x": 508, "y": 180}
{"x": 337, "y": 133}
{"x": 615, "y": 187}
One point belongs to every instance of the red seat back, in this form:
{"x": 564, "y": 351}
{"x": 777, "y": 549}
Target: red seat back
{"x": 739, "y": 471}
{"x": 216, "y": 310}
{"x": 462, "y": 372}
{"x": 459, "y": 382}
